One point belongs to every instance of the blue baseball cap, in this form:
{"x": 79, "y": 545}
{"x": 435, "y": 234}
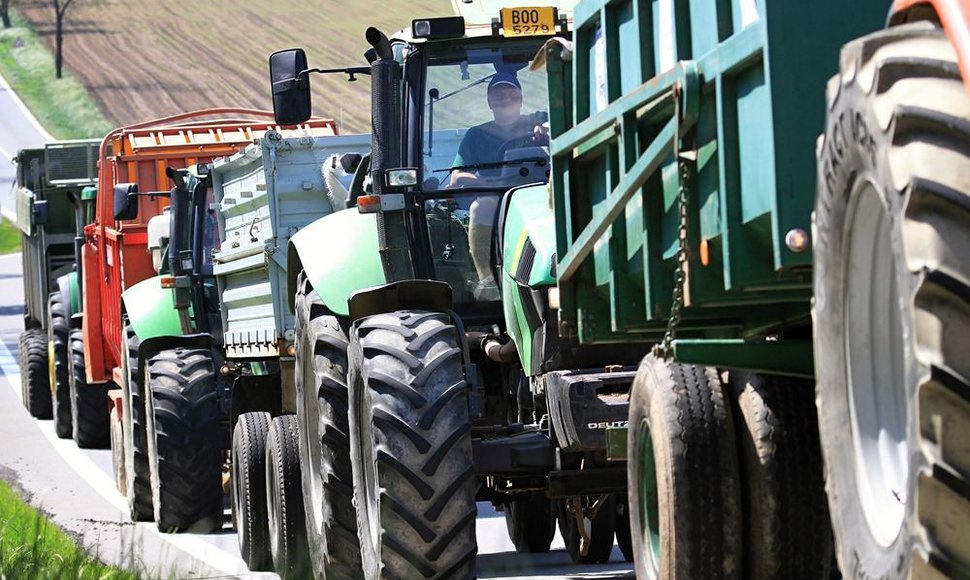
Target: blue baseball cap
{"x": 504, "y": 78}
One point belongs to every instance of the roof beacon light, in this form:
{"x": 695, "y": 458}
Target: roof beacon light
{"x": 448, "y": 26}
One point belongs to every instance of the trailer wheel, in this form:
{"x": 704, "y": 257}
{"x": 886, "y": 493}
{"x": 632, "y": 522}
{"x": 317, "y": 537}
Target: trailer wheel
{"x": 623, "y": 539}
{"x": 35, "y": 373}
{"x": 284, "y": 497}
{"x": 414, "y": 477}
{"x": 321, "y": 409}
{"x": 184, "y": 454}
{"x": 89, "y": 403}
{"x": 58, "y": 337}
{"x": 248, "y": 489}
{"x": 787, "y": 532}
{"x": 892, "y": 305}
{"x": 531, "y": 523}
{"x": 600, "y": 528}
{"x": 135, "y": 439}
{"x": 682, "y": 470}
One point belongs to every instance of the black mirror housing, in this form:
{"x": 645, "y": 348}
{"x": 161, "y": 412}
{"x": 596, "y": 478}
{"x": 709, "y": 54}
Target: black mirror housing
{"x": 39, "y": 213}
{"x": 291, "y": 89}
{"x": 125, "y": 201}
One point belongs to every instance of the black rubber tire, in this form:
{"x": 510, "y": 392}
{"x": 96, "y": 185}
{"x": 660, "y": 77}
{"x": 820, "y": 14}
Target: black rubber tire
{"x": 58, "y": 335}
{"x": 184, "y": 454}
{"x": 248, "y": 489}
{"x": 284, "y": 499}
{"x": 137, "y": 472}
{"x": 896, "y": 148}
{"x": 89, "y": 403}
{"x": 695, "y": 509}
{"x": 531, "y": 523}
{"x": 622, "y": 525}
{"x": 601, "y": 531}
{"x": 35, "y": 373}
{"x": 321, "y": 409}
{"x": 410, "y": 436}
{"x": 787, "y": 532}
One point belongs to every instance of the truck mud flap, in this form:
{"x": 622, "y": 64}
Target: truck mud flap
{"x": 583, "y": 404}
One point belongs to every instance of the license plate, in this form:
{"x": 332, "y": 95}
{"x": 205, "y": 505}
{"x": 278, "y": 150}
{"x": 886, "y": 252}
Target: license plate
{"x": 531, "y": 21}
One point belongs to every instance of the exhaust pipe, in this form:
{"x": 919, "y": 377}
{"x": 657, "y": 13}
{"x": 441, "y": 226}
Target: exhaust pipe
{"x": 379, "y": 41}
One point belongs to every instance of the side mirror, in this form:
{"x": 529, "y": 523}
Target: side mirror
{"x": 350, "y": 162}
{"x": 291, "y": 92}
{"x": 39, "y": 213}
{"x": 125, "y": 201}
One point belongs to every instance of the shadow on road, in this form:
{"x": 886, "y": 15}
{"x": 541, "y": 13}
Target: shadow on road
{"x": 555, "y": 563}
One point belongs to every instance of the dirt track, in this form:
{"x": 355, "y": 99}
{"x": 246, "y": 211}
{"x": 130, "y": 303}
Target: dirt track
{"x": 143, "y": 59}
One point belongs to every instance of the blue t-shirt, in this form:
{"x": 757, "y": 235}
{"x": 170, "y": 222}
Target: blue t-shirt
{"x": 481, "y": 143}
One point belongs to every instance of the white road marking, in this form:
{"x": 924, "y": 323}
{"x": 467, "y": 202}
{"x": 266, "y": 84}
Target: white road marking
{"x": 23, "y": 109}
{"x": 105, "y": 486}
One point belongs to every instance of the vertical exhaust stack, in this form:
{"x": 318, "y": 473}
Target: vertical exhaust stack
{"x": 386, "y": 153}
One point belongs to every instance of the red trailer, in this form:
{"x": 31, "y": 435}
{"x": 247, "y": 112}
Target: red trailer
{"x": 115, "y": 253}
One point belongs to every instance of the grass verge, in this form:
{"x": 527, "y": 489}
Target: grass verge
{"x": 62, "y": 106}
{"x": 9, "y": 237}
{"x": 33, "y": 547}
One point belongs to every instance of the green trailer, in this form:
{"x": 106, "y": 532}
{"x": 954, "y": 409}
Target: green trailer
{"x": 780, "y": 237}
{"x": 54, "y": 186}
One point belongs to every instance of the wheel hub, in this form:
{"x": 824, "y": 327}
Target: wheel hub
{"x": 876, "y": 374}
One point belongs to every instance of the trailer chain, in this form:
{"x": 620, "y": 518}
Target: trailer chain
{"x": 664, "y": 349}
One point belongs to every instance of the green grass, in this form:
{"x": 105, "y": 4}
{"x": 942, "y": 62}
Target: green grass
{"x": 9, "y": 237}
{"x": 62, "y": 106}
{"x": 31, "y": 547}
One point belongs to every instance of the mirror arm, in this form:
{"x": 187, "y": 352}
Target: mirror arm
{"x": 351, "y": 72}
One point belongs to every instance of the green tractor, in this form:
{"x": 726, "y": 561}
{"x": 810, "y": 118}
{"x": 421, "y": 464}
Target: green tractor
{"x": 54, "y": 199}
{"x": 429, "y": 369}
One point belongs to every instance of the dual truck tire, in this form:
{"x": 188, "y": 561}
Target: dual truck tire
{"x": 402, "y": 428}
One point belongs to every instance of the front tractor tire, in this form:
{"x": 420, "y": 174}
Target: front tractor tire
{"x": 184, "y": 455}
{"x": 414, "y": 477}
{"x": 321, "y": 410}
{"x": 89, "y": 403}
{"x": 35, "y": 373}
{"x": 892, "y": 306}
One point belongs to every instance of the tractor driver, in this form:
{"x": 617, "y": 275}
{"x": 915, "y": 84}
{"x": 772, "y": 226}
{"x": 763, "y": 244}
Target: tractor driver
{"x": 486, "y": 143}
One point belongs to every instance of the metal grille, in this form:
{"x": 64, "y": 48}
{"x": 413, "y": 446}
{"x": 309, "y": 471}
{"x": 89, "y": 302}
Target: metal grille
{"x": 72, "y": 163}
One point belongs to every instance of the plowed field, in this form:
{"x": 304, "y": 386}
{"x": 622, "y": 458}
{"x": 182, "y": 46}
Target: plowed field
{"x": 143, "y": 59}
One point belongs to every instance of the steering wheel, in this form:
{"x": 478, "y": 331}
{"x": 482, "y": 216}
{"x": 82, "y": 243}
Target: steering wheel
{"x": 524, "y": 140}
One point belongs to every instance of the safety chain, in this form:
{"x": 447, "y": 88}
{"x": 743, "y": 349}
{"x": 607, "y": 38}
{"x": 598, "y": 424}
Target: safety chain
{"x": 664, "y": 348}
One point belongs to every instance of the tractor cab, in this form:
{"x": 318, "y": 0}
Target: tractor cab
{"x": 459, "y": 113}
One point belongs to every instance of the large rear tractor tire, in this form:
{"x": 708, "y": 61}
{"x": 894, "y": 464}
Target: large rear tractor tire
{"x": 892, "y": 306}
{"x": 248, "y": 490}
{"x": 89, "y": 403}
{"x": 321, "y": 409}
{"x": 35, "y": 373}
{"x": 410, "y": 436}
{"x": 682, "y": 469}
{"x": 600, "y": 527}
{"x": 787, "y": 532}
{"x": 184, "y": 454}
{"x": 137, "y": 472}
{"x": 531, "y": 523}
{"x": 58, "y": 337}
{"x": 284, "y": 498}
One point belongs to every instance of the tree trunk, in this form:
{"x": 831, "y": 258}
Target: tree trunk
{"x": 5, "y": 13}
{"x": 59, "y": 39}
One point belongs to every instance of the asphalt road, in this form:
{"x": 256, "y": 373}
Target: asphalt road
{"x": 18, "y": 130}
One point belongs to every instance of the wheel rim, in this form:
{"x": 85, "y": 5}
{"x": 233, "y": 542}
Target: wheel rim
{"x": 237, "y": 493}
{"x": 873, "y": 344}
{"x": 272, "y": 485}
{"x": 313, "y": 442}
{"x": 649, "y": 518}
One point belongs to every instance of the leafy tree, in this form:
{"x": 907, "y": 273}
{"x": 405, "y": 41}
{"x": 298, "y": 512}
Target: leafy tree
{"x": 60, "y": 9}
{"x": 5, "y": 13}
